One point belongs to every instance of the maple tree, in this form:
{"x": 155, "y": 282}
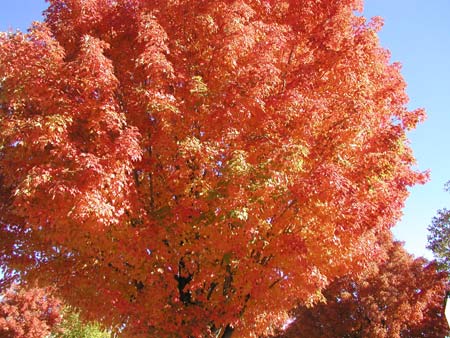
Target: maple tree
{"x": 439, "y": 236}
{"x": 36, "y": 313}
{"x": 28, "y": 313}
{"x": 401, "y": 297}
{"x": 193, "y": 168}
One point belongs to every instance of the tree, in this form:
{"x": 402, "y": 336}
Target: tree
{"x": 193, "y": 168}
{"x": 73, "y": 327}
{"x": 439, "y": 237}
{"x": 36, "y": 313}
{"x": 401, "y": 297}
{"x": 28, "y": 313}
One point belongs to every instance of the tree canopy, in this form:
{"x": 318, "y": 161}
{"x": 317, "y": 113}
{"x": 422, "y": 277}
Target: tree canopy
{"x": 399, "y": 297}
{"x": 72, "y": 326}
{"x": 192, "y": 168}
{"x": 28, "y": 312}
{"x": 439, "y": 237}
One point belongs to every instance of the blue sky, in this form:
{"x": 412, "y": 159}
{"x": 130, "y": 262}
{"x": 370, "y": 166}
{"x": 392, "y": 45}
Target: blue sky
{"x": 20, "y": 13}
{"x": 417, "y": 33}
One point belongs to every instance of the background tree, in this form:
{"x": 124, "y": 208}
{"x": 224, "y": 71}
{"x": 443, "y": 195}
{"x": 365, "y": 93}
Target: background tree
{"x": 28, "y": 313}
{"x": 401, "y": 297}
{"x": 73, "y": 327}
{"x": 187, "y": 168}
{"x": 439, "y": 237}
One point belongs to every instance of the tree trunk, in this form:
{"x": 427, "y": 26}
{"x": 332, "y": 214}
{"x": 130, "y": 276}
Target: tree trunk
{"x": 228, "y": 332}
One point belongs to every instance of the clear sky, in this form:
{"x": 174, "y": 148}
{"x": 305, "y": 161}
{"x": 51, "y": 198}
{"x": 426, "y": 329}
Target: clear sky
{"x": 417, "y": 33}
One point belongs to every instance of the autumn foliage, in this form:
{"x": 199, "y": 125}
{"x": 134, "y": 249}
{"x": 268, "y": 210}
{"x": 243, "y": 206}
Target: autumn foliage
{"x": 186, "y": 168}
{"x": 28, "y": 313}
{"x": 400, "y": 297}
